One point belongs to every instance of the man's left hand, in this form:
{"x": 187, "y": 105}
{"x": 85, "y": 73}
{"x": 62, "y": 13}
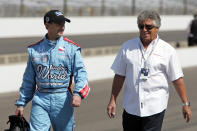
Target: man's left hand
{"x": 76, "y": 101}
{"x": 187, "y": 113}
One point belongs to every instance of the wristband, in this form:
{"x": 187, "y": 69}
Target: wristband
{"x": 186, "y": 104}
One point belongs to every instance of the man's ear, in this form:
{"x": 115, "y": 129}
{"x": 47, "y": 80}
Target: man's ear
{"x": 46, "y": 25}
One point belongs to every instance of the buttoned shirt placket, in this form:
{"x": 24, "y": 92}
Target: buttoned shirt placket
{"x": 145, "y": 55}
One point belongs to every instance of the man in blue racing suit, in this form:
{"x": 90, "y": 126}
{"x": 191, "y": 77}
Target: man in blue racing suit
{"x": 48, "y": 76}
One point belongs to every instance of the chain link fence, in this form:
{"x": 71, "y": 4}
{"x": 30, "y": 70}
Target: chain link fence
{"x": 34, "y": 8}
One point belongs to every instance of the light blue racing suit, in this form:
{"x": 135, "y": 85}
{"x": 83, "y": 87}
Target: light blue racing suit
{"x": 50, "y": 66}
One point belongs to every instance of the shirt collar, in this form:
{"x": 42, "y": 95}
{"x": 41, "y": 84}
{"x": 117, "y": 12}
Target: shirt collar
{"x": 151, "y": 45}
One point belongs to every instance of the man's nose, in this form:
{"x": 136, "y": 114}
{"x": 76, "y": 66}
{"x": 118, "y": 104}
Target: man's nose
{"x": 144, "y": 28}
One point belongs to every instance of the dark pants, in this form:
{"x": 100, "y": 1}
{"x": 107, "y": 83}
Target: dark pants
{"x": 136, "y": 123}
{"x": 192, "y": 41}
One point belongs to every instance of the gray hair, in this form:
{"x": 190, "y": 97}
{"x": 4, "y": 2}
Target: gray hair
{"x": 149, "y": 14}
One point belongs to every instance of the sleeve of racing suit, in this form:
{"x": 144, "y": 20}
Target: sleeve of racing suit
{"x": 80, "y": 76}
{"x": 28, "y": 85}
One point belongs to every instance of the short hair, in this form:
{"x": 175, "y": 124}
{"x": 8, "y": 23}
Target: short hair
{"x": 149, "y": 14}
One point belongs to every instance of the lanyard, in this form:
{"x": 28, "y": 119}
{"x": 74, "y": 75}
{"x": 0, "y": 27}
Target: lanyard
{"x": 143, "y": 55}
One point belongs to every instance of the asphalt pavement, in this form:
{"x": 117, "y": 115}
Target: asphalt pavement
{"x": 18, "y": 45}
{"x": 92, "y": 116}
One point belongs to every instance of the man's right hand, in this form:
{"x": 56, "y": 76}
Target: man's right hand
{"x": 19, "y": 111}
{"x": 111, "y": 109}
{"x": 116, "y": 87}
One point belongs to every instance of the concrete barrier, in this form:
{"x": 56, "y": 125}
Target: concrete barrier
{"x": 98, "y": 67}
{"x": 28, "y": 27}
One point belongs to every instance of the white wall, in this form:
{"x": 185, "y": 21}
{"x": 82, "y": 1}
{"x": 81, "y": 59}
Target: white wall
{"x": 24, "y": 27}
{"x": 11, "y": 75}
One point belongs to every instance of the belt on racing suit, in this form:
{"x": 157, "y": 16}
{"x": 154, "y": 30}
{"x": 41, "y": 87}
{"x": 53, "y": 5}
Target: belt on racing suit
{"x": 52, "y": 90}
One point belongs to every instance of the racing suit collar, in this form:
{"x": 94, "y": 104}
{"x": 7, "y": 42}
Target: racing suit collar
{"x": 52, "y": 42}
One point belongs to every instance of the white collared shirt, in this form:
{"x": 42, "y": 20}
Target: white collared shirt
{"x": 147, "y": 97}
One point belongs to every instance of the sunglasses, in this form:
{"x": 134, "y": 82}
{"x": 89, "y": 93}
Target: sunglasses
{"x": 148, "y": 27}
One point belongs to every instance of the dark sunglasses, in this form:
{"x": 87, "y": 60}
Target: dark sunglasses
{"x": 148, "y": 27}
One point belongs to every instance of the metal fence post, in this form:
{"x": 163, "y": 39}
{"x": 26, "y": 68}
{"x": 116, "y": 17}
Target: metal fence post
{"x": 22, "y": 8}
{"x": 102, "y": 7}
{"x": 184, "y": 7}
{"x": 132, "y": 7}
{"x": 65, "y": 7}
{"x": 161, "y": 6}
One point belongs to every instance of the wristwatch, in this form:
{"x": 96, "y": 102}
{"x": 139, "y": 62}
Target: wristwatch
{"x": 186, "y": 104}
